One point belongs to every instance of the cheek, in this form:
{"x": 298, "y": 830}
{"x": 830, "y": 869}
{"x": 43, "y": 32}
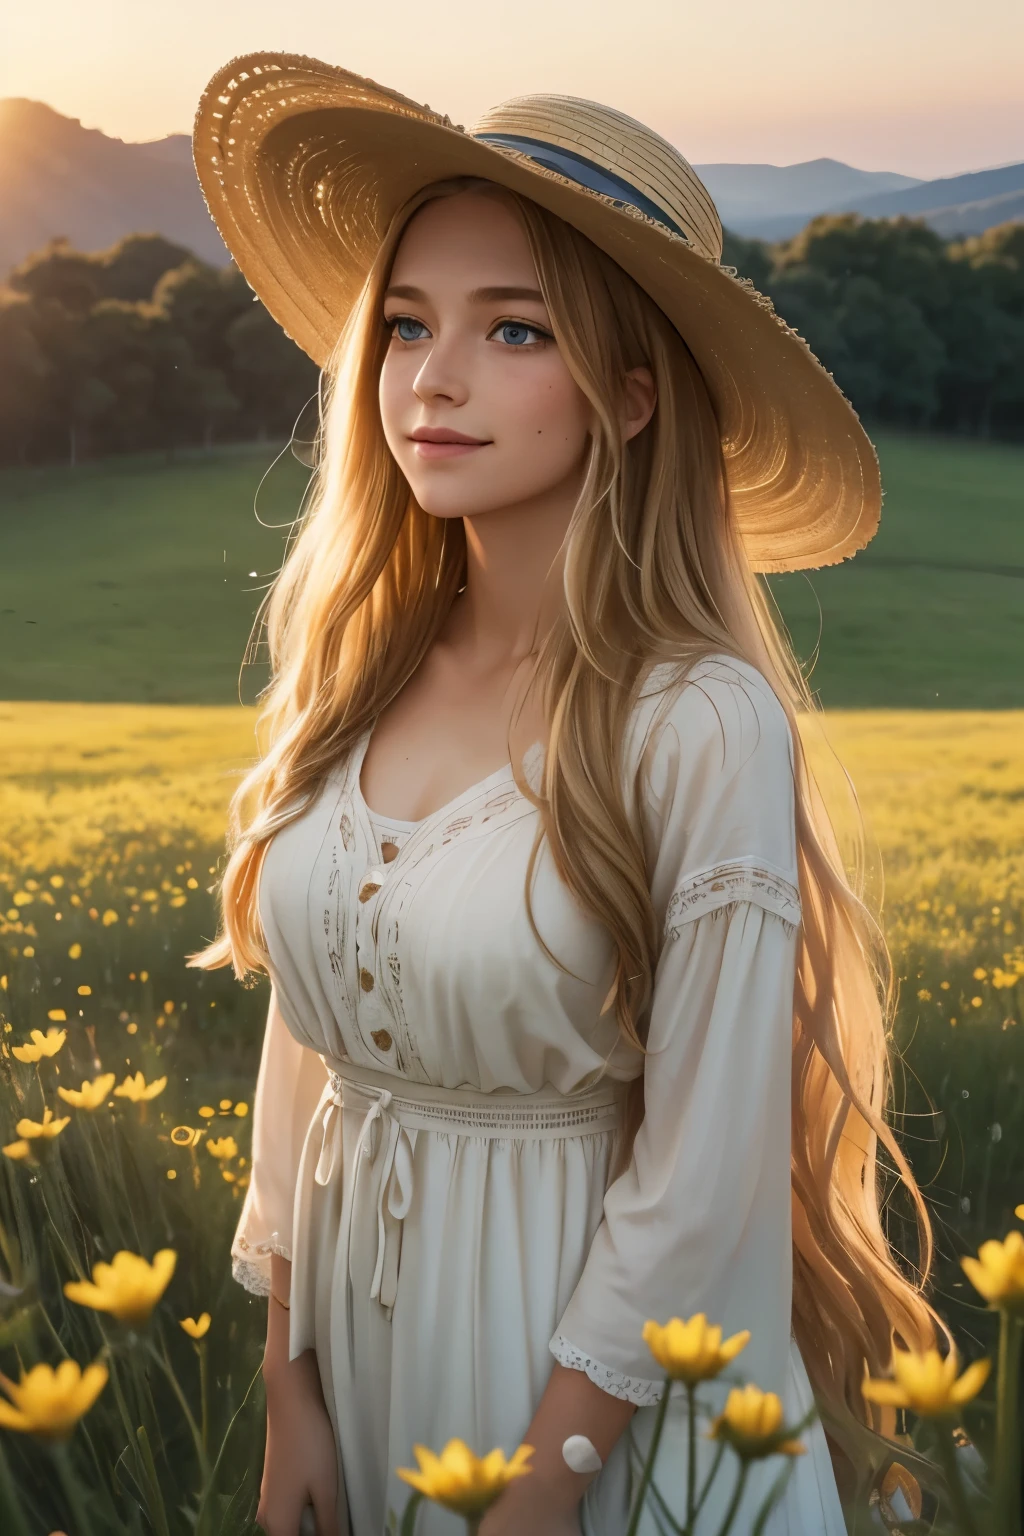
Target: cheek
{"x": 542, "y": 408}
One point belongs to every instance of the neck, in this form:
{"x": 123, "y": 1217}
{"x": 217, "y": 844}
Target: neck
{"x": 513, "y": 586}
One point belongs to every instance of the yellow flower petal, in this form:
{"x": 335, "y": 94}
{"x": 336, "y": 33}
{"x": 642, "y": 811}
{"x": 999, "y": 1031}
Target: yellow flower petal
{"x": 196, "y": 1327}
{"x": 128, "y": 1288}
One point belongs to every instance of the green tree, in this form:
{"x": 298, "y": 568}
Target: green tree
{"x": 132, "y": 267}
{"x": 24, "y": 368}
{"x": 271, "y": 375}
{"x": 58, "y": 274}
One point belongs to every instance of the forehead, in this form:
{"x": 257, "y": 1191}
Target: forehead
{"x": 467, "y": 235}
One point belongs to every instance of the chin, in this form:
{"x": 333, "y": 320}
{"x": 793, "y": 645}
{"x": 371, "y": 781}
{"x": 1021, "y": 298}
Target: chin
{"x": 449, "y": 501}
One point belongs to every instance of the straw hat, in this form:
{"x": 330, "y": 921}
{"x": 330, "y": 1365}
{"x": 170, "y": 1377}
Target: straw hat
{"x": 302, "y": 165}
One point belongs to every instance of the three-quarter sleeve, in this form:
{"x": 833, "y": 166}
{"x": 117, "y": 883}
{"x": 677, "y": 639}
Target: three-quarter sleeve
{"x": 700, "y": 1219}
{"x": 288, "y": 1088}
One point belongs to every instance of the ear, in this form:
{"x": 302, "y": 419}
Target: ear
{"x": 641, "y": 398}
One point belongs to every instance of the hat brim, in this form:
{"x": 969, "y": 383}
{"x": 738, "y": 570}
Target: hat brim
{"x": 303, "y": 164}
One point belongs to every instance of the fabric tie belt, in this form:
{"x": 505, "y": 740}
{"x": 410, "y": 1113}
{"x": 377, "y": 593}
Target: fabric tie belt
{"x": 398, "y": 1105}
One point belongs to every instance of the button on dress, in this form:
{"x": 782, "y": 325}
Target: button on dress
{"x": 436, "y": 1114}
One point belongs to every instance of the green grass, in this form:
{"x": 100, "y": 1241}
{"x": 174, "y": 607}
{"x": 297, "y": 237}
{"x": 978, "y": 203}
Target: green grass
{"x": 931, "y": 613}
{"x": 128, "y": 579}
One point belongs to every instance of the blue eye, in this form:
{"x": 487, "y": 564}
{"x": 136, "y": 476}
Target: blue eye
{"x": 402, "y": 325}
{"x": 516, "y": 333}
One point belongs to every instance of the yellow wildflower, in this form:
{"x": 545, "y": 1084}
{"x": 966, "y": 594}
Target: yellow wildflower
{"x": 136, "y": 1088}
{"x": 129, "y": 1288}
{"x": 42, "y": 1045}
{"x": 47, "y": 1128}
{"x": 196, "y": 1327}
{"x": 1018, "y": 1211}
{"x": 57, "y": 1015}
{"x": 241, "y": 1110}
{"x": 927, "y": 1384}
{"x": 998, "y": 1272}
{"x": 109, "y": 916}
{"x": 48, "y": 1402}
{"x": 207, "y": 1111}
{"x": 691, "y": 1351}
{"x": 751, "y": 1422}
{"x": 75, "y": 952}
{"x": 90, "y": 1095}
{"x": 56, "y": 881}
{"x": 16, "y": 1150}
{"x": 223, "y": 1147}
{"x": 464, "y": 1483}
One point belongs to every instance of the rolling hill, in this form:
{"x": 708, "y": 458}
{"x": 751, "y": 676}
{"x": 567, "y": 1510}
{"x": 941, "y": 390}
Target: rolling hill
{"x": 58, "y": 178}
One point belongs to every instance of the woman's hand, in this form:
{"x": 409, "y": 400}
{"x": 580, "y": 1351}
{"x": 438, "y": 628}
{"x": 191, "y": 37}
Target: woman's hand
{"x": 301, "y": 1462}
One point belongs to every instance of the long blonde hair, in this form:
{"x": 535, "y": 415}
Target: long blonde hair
{"x": 654, "y": 570}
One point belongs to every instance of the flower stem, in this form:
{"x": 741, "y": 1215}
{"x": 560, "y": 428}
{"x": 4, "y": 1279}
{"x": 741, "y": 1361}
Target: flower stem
{"x": 734, "y": 1502}
{"x": 411, "y": 1510}
{"x": 204, "y": 1399}
{"x": 72, "y": 1491}
{"x": 957, "y": 1495}
{"x": 659, "y": 1425}
{"x": 691, "y": 1456}
{"x": 10, "y": 1502}
{"x": 1007, "y": 1458}
{"x": 160, "y": 1356}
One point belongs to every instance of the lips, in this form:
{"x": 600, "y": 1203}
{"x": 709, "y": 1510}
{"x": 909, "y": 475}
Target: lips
{"x": 444, "y": 443}
{"x": 445, "y": 435}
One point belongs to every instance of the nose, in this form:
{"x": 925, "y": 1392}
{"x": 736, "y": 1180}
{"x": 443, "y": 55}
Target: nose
{"x": 442, "y": 377}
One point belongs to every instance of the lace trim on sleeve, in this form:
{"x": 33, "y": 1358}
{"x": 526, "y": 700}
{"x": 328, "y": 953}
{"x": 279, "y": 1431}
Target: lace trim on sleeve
{"x": 250, "y": 1263}
{"x": 710, "y": 890}
{"x": 632, "y": 1389}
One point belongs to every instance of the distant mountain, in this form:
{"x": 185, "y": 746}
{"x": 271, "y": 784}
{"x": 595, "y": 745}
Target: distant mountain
{"x": 58, "y": 178}
{"x": 952, "y": 205}
{"x": 749, "y": 196}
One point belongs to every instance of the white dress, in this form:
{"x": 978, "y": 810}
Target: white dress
{"x": 448, "y": 1214}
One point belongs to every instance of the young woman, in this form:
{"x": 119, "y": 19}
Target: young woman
{"x": 575, "y": 1018}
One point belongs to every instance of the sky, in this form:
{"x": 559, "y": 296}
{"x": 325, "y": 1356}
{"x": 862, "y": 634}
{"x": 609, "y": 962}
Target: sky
{"x": 924, "y": 87}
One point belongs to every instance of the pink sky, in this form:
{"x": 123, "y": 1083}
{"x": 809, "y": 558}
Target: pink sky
{"x": 926, "y": 87}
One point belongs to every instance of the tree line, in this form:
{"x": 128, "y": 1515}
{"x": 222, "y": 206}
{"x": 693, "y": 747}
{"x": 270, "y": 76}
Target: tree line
{"x": 145, "y": 346}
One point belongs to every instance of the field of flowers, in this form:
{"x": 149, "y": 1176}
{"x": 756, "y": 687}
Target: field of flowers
{"x": 126, "y": 1079}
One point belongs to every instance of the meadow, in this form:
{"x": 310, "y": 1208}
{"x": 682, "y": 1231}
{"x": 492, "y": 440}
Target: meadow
{"x": 112, "y": 800}
{"x": 137, "y": 579}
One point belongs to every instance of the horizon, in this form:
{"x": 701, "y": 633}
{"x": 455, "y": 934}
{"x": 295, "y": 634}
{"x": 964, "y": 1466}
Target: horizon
{"x": 903, "y": 87}
{"x": 749, "y": 164}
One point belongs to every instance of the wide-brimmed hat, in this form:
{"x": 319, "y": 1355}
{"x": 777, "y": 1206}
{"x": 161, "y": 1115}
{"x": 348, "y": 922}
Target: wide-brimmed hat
{"x": 303, "y": 165}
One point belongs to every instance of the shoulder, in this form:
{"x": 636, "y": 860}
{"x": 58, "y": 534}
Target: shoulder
{"x": 713, "y": 772}
{"x": 720, "y": 715}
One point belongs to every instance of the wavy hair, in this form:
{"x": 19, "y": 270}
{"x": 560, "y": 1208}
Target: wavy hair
{"x": 654, "y": 570}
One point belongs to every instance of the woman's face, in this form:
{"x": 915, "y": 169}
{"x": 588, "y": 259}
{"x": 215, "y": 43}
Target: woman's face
{"x": 477, "y": 404}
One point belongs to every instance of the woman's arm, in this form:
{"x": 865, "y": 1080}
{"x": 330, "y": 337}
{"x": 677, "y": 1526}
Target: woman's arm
{"x": 300, "y": 1465}
{"x": 549, "y": 1496}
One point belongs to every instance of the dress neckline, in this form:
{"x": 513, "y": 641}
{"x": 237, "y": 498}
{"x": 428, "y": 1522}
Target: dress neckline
{"x": 492, "y": 780}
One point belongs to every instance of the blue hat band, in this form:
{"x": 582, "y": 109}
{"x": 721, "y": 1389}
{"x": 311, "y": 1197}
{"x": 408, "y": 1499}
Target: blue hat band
{"x": 585, "y": 173}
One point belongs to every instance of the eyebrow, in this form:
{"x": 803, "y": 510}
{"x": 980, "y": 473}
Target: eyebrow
{"x": 478, "y": 295}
